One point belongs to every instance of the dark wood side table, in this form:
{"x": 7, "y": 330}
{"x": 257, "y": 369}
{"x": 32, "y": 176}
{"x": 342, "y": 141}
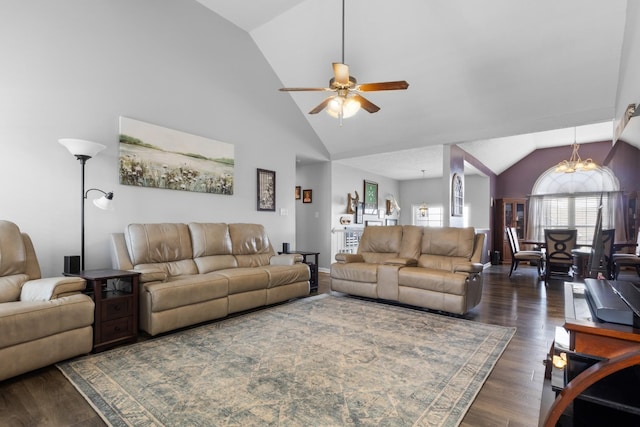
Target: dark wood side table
{"x": 313, "y": 267}
{"x": 115, "y": 293}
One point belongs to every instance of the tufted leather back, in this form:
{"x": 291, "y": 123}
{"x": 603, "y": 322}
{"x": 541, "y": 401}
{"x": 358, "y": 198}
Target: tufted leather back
{"x": 165, "y": 246}
{"x": 378, "y": 244}
{"x": 250, "y": 243}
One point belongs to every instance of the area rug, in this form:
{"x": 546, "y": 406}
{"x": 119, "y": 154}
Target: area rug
{"x": 321, "y": 361}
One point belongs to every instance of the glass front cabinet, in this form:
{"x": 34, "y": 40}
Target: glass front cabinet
{"x": 510, "y": 213}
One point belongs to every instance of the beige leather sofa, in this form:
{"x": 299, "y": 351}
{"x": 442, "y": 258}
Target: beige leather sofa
{"x": 191, "y": 273}
{"x": 435, "y": 268}
{"x": 42, "y": 321}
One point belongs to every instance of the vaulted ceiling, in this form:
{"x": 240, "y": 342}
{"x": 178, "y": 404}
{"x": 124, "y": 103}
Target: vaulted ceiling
{"x": 500, "y": 77}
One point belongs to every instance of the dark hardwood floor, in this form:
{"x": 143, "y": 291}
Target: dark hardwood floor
{"x": 510, "y": 396}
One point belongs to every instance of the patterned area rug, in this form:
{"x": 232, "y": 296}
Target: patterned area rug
{"x": 321, "y": 361}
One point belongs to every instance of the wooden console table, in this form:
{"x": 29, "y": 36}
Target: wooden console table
{"x": 602, "y": 396}
{"x": 588, "y": 335}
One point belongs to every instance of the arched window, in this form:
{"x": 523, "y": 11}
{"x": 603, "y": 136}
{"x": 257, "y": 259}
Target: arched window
{"x": 571, "y": 200}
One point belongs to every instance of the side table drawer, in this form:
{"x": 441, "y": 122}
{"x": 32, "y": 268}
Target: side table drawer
{"x": 114, "y": 329}
{"x": 115, "y": 308}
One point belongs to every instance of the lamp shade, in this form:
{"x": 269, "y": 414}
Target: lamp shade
{"x": 105, "y": 202}
{"x": 81, "y": 147}
{"x": 348, "y": 106}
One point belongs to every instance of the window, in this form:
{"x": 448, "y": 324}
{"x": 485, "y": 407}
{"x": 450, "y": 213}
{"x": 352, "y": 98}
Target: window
{"x": 431, "y": 218}
{"x": 575, "y": 211}
{"x": 562, "y": 200}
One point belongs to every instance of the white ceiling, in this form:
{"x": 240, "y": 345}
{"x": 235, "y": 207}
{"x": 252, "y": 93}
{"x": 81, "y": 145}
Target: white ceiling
{"x": 479, "y": 73}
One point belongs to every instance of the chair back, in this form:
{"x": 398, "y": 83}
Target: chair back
{"x": 511, "y": 242}
{"x": 514, "y": 237}
{"x": 601, "y": 252}
{"x": 559, "y": 243}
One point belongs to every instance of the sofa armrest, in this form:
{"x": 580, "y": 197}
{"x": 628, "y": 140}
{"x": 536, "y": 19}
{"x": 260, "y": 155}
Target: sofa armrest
{"x": 151, "y": 275}
{"x": 52, "y": 288}
{"x": 407, "y": 262}
{"x": 474, "y": 268}
{"x": 347, "y": 258}
{"x": 285, "y": 259}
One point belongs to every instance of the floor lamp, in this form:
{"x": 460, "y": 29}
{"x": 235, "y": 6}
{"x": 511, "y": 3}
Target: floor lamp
{"x": 84, "y": 150}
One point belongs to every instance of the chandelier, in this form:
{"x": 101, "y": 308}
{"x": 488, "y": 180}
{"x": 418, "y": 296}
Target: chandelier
{"x": 575, "y": 163}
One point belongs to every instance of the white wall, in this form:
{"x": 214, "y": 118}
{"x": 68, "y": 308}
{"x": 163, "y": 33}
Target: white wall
{"x": 477, "y": 199}
{"x": 417, "y": 191}
{"x": 70, "y": 68}
{"x": 347, "y": 180}
{"x": 313, "y": 220}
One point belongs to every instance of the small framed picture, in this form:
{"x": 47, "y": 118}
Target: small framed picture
{"x": 266, "y": 190}
{"x": 307, "y": 196}
{"x": 391, "y": 222}
{"x": 298, "y": 192}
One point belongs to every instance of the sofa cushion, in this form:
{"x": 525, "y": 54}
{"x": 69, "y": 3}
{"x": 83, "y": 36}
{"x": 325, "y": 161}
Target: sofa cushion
{"x": 285, "y": 274}
{"x": 24, "y": 321}
{"x": 158, "y": 243}
{"x": 380, "y": 243}
{"x": 251, "y": 246}
{"x": 245, "y": 279}
{"x": 411, "y": 241}
{"x": 164, "y": 247}
{"x": 169, "y": 269}
{"x": 448, "y": 241}
{"x": 210, "y": 239}
{"x": 11, "y": 286}
{"x": 13, "y": 254}
{"x": 433, "y": 280}
{"x": 186, "y": 291}
{"x": 355, "y": 271}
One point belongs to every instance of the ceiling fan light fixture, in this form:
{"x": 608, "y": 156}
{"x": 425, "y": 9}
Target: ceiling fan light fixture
{"x": 343, "y": 106}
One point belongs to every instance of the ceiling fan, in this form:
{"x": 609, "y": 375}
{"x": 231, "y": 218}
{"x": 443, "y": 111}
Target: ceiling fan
{"x": 347, "y": 101}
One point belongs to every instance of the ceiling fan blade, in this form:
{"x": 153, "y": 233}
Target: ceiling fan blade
{"x": 365, "y": 104}
{"x": 341, "y": 73}
{"x": 370, "y": 87}
{"x": 303, "y": 89}
{"x": 321, "y": 106}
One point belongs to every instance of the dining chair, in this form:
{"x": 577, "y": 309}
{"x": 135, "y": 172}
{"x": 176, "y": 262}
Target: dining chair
{"x": 604, "y": 264}
{"x": 559, "y": 243}
{"x": 535, "y": 257}
{"x": 626, "y": 260}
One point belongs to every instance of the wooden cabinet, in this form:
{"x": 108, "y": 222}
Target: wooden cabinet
{"x": 509, "y": 213}
{"x": 115, "y": 293}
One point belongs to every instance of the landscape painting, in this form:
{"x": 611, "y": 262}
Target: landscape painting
{"x": 159, "y": 157}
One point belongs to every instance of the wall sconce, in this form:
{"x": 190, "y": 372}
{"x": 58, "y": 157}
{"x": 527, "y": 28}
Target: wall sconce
{"x": 84, "y": 150}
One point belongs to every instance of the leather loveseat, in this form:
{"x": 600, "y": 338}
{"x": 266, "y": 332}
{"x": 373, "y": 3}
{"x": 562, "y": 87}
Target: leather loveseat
{"x": 435, "y": 268}
{"x": 191, "y": 273}
{"x": 42, "y": 320}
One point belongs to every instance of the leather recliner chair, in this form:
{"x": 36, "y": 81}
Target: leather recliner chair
{"x": 43, "y": 320}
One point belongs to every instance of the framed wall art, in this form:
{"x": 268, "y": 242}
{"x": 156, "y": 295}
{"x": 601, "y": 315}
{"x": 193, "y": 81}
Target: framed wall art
{"x": 266, "y": 190}
{"x": 298, "y": 192}
{"x": 307, "y": 196}
{"x": 457, "y": 195}
{"x": 370, "y": 197}
{"x": 159, "y": 157}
